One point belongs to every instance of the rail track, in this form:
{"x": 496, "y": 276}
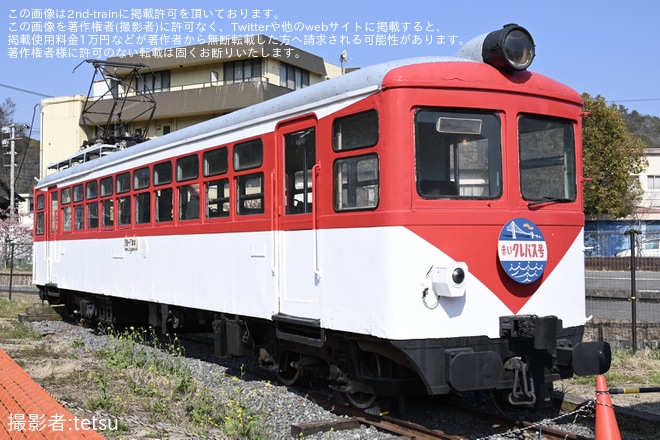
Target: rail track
{"x": 408, "y": 428}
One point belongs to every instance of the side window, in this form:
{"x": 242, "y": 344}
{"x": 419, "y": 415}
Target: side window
{"x": 163, "y": 197}
{"x": 189, "y": 202}
{"x": 108, "y": 213}
{"x": 217, "y": 198}
{"x": 66, "y": 209}
{"x": 93, "y": 215}
{"x": 164, "y": 205}
{"x": 249, "y": 187}
{"x": 123, "y": 185}
{"x": 248, "y": 155}
{"x": 106, "y": 187}
{"x": 163, "y": 173}
{"x": 141, "y": 179}
{"x": 124, "y": 210}
{"x": 39, "y": 224}
{"x": 107, "y": 204}
{"x": 214, "y": 163}
{"x": 187, "y": 168}
{"x": 66, "y": 196}
{"x": 79, "y": 217}
{"x": 66, "y": 218}
{"x": 355, "y": 131}
{"x": 92, "y": 190}
{"x": 357, "y": 183}
{"x": 78, "y": 193}
{"x": 250, "y": 194}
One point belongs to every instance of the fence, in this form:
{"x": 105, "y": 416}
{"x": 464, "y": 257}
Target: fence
{"x": 623, "y": 287}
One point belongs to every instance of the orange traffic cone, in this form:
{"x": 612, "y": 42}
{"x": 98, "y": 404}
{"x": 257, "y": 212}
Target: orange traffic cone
{"x": 606, "y": 425}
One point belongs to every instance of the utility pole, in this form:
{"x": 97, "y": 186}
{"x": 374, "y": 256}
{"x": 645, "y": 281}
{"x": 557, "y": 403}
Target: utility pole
{"x": 11, "y": 129}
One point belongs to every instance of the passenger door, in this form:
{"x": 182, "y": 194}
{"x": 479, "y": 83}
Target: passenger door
{"x": 299, "y": 290}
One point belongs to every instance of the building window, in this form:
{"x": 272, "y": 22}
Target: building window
{"x": 653, "y": 182}
{"x": 292, "y": 77}
{"x": 242, "y": 70}
{"x": 154, "y": 82}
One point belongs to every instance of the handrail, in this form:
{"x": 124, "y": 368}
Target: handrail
{"x": 316, "y": 169}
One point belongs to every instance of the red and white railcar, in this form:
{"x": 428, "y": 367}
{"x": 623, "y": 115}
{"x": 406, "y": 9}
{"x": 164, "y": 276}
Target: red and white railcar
{"x": 414, "y": 226}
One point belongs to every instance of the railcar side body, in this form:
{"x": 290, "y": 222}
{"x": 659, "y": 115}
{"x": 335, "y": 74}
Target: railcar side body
{"x": 412, "y": 226}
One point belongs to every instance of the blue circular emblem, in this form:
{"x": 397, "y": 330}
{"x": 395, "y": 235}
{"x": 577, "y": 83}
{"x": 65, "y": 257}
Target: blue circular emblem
{"x": 522, "y": 250}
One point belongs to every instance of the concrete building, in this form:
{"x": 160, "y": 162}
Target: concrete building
{"x": 188, "y": 85}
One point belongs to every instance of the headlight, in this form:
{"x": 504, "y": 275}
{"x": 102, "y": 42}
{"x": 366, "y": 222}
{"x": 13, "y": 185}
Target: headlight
{"x": 510, "y": 48}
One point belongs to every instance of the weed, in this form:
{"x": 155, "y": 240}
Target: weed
{"x": 17, "y": 330}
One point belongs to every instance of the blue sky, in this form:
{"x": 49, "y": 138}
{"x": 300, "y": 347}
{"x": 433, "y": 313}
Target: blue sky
{"x": 601, "y": 48}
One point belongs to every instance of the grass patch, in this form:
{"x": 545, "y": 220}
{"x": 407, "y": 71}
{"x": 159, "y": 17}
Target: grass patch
{"x": 141, "y": 374}
{"x": 11, "y": 309}
{"x": 12, "y": 329}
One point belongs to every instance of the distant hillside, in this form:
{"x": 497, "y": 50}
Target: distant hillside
{"x": 647, "y": 127}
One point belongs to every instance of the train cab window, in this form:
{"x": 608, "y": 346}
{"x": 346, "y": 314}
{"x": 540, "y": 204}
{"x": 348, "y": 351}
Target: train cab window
{"x": 299, "y": 159}
{"x": 355, "y": 131}
{"x": 458, "y": 154}
{"x": 217, "y": 198}
{"x": 78, "y": 193}
{"x": 41, "y": 202}
{"x": 66, "y": 196}
{"x": 250, "y": 194}
{"x": 357, "y": 183}
{"x": 248, "y": 155}
{"x": 547, "y": 159}
{"x": 92, "y": 190}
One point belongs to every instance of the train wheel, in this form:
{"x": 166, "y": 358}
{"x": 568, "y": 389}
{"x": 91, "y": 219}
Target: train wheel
{"x": 287, "y": 374}
{"x": 175, "y": 319}
{"x": 360, "y": 399}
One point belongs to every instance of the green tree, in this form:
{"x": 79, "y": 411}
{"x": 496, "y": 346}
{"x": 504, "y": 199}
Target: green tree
{"x": 612, "y": 159}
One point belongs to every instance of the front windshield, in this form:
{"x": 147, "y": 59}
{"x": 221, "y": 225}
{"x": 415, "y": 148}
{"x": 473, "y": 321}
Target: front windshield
{"x": 547, "y": 159}
{"x": 458, "y": 154}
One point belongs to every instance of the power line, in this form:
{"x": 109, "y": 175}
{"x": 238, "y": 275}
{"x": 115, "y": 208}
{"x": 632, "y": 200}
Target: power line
{"x": 25, "y": 91}
{"x": 634, "y": 100}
